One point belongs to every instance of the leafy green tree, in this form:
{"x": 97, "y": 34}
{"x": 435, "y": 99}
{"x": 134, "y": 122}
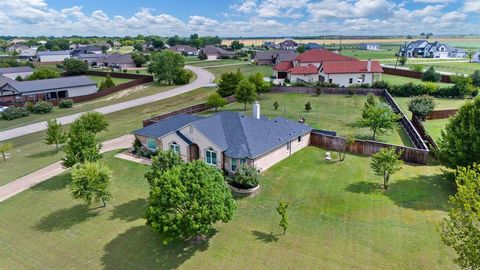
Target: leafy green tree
{"x": 216, "y": 101}
{"x": 459, "y": 144}
{"x": 81, "y": 146}
{"x": 403, "y": 60}
{"x": 372, "y": 100}
{"x": 461, "y": 230}
{"x": 166, "y": 66}
{"x": 228, "y": 83}
{"x": 139, "y": 59}
{"x": 260, "y": 85}
{"x": 475, "y": 76}
{"x": 245, "y": 92}
{"x": 236, "y": 45}
{"x": 308, "y": 106}
{"x": 349, "y": 140}
{"x": 75, "y": 66}
{"x": 421, "y": 105}
{"x": 385, "y": 163}
{"x": 275, "y": 105}
{"x": 282, "y": 211}
{"x": 463, "y": 86}
{"x": 162, "y": 162}
{"x": 379, "y": 119}
{"x": 431, "y": 75}
{"x": 43, "y": 73}
{"x": 103, "y": 86}
{"x": 55, "y": 134}
{"x": 4, "y": 147}
{"x": 91, "y": 182}
{"x": 417, "y": 67}
{"x": 187, "y": 200}
{"x": 94, "y": 122}
{"x": 108, "y": 81}
{"x": 301, "y": 49}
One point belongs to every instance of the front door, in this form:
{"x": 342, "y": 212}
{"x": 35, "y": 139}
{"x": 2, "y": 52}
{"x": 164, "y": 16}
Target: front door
{"x": 194, "y": 152}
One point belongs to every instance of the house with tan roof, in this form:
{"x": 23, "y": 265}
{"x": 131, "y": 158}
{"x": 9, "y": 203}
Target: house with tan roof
{"x": 325, "y": 66}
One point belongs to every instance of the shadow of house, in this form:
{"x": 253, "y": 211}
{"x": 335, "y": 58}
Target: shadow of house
{"x": 130, "y": 211}
{"x": 265, "y": 237}
{"x": 423, "y": 192}
{"x": 140, "y": 247}
{"x": 65, "y": 219}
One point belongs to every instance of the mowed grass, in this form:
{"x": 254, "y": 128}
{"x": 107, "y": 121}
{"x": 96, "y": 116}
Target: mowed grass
{"x": 329, "y": 112}
{"x": 219, "y": 62}
{"x": 338, "y": 216}
{"x": 440, "y": 104}
{"x": 434, "y": 127}
{"x": 245, "y": 69}
{"x": 387, "y": 53}
{"x": 400, "y": 80}
{"x": 30, "y": 153}
{"x": 100, "y": 79}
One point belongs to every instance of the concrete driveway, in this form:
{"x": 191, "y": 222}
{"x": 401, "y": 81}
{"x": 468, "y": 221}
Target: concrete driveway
{"x": 204, "y": 78}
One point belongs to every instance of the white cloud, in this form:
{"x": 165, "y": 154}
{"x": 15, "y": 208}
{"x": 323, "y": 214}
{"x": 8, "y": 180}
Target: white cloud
{"x": 471, "y": 6}
{"x": 350, "y": 9}
{"x": 246, "y": 6}
{"x": 434, "y": 1}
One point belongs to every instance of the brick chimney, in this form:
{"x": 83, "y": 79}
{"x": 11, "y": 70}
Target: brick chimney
{"x": 369, "y": 65}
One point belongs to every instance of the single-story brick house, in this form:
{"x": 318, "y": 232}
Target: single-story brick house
{"x": 213, "y": 53}
{"x": 227, "y": 139}
{"x": 186, "y": 50}
{"x": 273, "y": 57}
{"x": 14, "y": 72}
{"x": 48, "y": 89}
{"x": 116, "y": 60}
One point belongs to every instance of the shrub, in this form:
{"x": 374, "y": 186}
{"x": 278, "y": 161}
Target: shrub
{"x": 108, "y": 82}
{"x": 421, "y": 105}
{"x": 15, "y": 112}
{"x": 417, "y": 68}
{"x": 65, "y": 103}
{"x": 42, "y": 107}
{"x": 125, "y": 71}
{"x": 183, "y": 77}
{"x": 430, "y": 88}
{"x": 381, "y": 85}
{"x": 431, "y": 75}
{"x": 245, "y": 177}
{"x": 29, "y": 106}
{"x": 275, "y": 105}
{"x": 308, "y": 106}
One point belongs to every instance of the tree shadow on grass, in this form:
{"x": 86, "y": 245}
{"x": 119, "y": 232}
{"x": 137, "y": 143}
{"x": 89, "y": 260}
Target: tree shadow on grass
{"x": 43, "y": 154}
{"x": 265, "y": 237}
{"x": 141, "y": 248}
{"x": 55, "y": 183}
{"x": 65, "y": 219}
{"x": 424, "y": 192}
{"x": 364, "y": 187}
{"x": 130, "y": 211}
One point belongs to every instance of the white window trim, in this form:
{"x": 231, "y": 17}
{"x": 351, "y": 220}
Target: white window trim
{"x": 210, "y": 150}
{"x": 175, "y": 146}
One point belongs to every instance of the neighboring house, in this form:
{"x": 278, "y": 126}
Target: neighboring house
{"x": 102, "y": 45}
{"x": 426, "y": 49}
{"x": 312, "y": 46}
{"x": 14, "y": 72}
{"x": 369, "y": 46}
{"x": 186, "y": 50}
{"x": 91, "y": 59}
{"x": 53, "y": 56}
{"x": 49, "y": 89}
{"x": 18, "y": 40}
{"x": 19, "y": 48}
{"x": 42, "y": 42}
{"x": 269, "y": 44}
{"x": 213, "y": 53}
{"x": 227, "y": 139}
{"x": 29, "y": 53}
{"x": 288, "y": 44}
{"x": 326, "y": 66}
{"x": 120, "y": 61}
{"x": 476, "y": 57}
{"x": 273, "y": 57}
{"x": 86, "y": 50}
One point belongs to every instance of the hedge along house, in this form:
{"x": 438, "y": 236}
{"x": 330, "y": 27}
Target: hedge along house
{"x": 49, "y": 89}
{"x": 227, "y": 139}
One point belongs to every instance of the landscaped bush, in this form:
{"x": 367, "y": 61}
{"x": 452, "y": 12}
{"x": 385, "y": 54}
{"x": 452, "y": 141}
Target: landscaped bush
{"x": 326, "y": 84}
{"x": 65, "y": 103}
{"x": 14, "y": 113}
{"x": 417, "y": 67}
{"x": 29, "y": 106}
{"x": 421, "y": 105}
{"x": 359, "y": 85}
{"x": 245, "y": 177}
{"x": 183, "y": 78}
{"x": 42, "y": 107}
{"x": 431, "y": 75}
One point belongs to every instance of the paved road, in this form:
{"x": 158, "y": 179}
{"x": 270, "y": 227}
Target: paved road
{"x": 23, "y": 183}
{"x": 204, "y": 78}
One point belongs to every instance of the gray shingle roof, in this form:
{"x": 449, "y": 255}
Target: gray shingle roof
{"x": 239, "y": 136}
{"x": 49, "y": 84}
{"x": 117, "y": 58}
{"x": 15, "y": 70}
{"x": 42, "y": 53}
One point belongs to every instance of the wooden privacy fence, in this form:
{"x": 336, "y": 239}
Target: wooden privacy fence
{"x": 417, "y": 123}
{"x": 333, "y": 91}
{"x": 412, "y": 74}
{"x": 367, "y": 148}
{"x": 188, "y": 110}
{"x": 441, "y": 114}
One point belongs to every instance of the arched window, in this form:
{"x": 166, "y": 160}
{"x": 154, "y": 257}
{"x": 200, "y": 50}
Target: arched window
{"x": 175, "y": 147}
{"x": 211, "y": 156}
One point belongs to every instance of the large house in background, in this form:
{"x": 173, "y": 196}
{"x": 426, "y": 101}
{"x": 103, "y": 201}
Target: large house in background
{"x": 53, "y": 56}
{"x": 186, "y": 50}
{"x": 211, "y": 52}
{"x": 227, "y": 139}
{"x": 273, "y": 57}
{"x": 325, "y": 66}
{"x": 288, "y": 44}
{"x": 116, "y": 60}
{"x": 48, "y": 89}
{"x": 425, "y": 49}
{"x": 476, "y": 57}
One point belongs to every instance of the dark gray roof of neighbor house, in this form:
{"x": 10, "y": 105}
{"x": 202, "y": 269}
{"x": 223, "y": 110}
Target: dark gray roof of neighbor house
{"x": 183, "y": 48}
{"x": 90, "y": 56}
{"x": 239, "y": 136}
{"x": 117, "y": 58}
{"x": 166, "y": 126}
{"x": 15, "y": 70}
{"x": 85, "y": 50}
{"x": 50, "y": 84}
{"x": 279, "y": 55}
{"x": 214, "y": 50}
{"x": 4, "y": 80}
{"x": 42, "y": 53}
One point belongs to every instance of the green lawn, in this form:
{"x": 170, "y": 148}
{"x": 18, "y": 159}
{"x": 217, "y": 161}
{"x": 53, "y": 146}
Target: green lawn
{"x": 129, "y": 94}
{"x": 217, "y": 62}
{"x": 434, "y": 127}
{"x": 329, "y": 112}
{"x": 100, "y": 79}
{"x": 440, "y": 104}
{"x": 400, "y": 80}
{"x": 122, "y": 50}
{"x": 30, "y": 153}
{"x": 246, "y": 70}
{"x": 339, "y": 219}
{"x": 374, "y": 55}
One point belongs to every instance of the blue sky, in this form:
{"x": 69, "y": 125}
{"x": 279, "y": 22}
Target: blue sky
{"x": 239, "y": 17}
